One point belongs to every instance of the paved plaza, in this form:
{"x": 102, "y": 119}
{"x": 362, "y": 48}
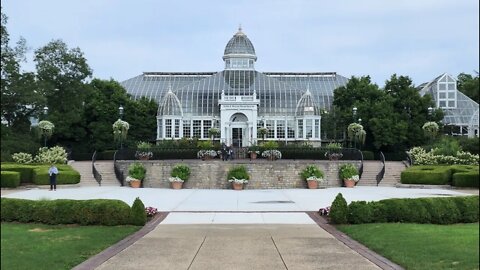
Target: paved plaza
{"x": 227, "y": 229}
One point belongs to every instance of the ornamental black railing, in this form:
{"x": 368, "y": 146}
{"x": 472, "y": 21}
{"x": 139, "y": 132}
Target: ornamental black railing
{"x": 96, "y": 174}
{"x": 118, "y": 172}
{"x": 409, "y": 160}
{"x": 382, "y": 172}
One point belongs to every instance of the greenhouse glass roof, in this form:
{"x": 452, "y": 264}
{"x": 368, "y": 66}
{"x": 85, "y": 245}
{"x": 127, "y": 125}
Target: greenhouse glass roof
{"x": 199, "y": 93}
{"x": 459, "y": 110}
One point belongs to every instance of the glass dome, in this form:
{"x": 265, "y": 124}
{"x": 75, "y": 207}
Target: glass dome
{"x": 239, "y": 44}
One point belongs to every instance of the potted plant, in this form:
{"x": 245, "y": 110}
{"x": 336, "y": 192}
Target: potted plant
{"x": 238, "y": 176}
{"x": 206, "y": 150}
{"x": 313, "y": 175}
{"x": 349, "y": 174}
{"x": 334, "y": 151}
{"x": 143, "y": 151}
{"x": 253, "y": 150}
{"x": 271, "y": 152}
{"x": 136, "y": 174}
{"x": 179, "y": 175}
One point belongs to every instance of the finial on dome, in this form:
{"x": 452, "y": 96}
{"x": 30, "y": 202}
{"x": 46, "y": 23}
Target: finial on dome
{"x": 240, "y": 30}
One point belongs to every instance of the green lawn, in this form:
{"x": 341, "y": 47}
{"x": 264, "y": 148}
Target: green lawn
{"x": 39, "y": 246}
{"x": 421, "y": 246}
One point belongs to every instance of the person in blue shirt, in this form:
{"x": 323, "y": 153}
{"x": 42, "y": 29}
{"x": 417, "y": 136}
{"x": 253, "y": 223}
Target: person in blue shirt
{"x": 53, "y": 171}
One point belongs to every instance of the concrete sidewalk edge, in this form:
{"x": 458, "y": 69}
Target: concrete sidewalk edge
{"x": 103, "y": 256}
{"x": 364, "y": 251}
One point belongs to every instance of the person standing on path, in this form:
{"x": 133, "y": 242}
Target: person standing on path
{"x": 53, "y": 171}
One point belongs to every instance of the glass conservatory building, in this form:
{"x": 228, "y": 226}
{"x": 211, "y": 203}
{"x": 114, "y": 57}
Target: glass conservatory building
{"x": 460, "y": 111}
{"x": 238, "y": 100}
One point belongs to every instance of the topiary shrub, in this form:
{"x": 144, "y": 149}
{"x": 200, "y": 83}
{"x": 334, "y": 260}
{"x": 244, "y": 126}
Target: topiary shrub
{"x": 10, "y": 179}
{"x": 138, "y": 216}
{"x": 339, "y": 210}
{"x": 359, "y": 212}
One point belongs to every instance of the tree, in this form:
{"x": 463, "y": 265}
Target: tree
{"x": 62, "y": 73}
{"x": 20, "y": 98}
{"x": 469, "y": 85}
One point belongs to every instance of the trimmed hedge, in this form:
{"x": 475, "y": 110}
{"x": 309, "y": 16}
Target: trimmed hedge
{"x": 458, "y": 175}
{"x": 339, "y": 210}
{"x": 427, "y": 174}
{"x": 10, "y": 179}
{"x": 26, "y": 171}
{"x": 421, "y": 210}
{"x": 466, "y": 179}
{"x": 86, "y": 212}
{"x": 64, "y": 176}
{"x": 138, "y": 216}
{"x": 38, "y": 173}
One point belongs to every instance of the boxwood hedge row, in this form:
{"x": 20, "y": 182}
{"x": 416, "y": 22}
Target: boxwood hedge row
{"x": 456, "y": 175}
{"x": 461, "y": 209}
{"x": 84, "y": 212}
{"x": 38, "y": 173}
{"x": 10, "y": 179}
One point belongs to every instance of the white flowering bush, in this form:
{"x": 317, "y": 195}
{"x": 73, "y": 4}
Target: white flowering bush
{"x": 355, "y": 178}
{"x": 22, "y": 158}
{"x": 275, "y": 154}
{"x": 206, "y": 153}
{"x": 421, "y": 157}
{"x": 55, "y": 154}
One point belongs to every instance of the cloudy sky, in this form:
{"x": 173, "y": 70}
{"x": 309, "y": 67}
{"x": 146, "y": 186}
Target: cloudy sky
{"x": 122, "y": 39}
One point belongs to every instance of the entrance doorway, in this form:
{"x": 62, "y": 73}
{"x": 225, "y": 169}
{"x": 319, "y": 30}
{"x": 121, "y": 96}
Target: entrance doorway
{"x": 237, "y": 137}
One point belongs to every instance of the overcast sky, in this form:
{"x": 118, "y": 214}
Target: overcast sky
{"x": 122, "y": 39}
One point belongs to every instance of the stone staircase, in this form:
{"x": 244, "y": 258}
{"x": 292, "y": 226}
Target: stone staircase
{"x": 370, "y": 170}
{"x": 85, "y": 170}
{"x": 105, "y": 168}
{"x": 393, "y": 170}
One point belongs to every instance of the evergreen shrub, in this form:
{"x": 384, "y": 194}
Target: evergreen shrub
{"x": 83, "y": 212}
{"x": 339, "y": 210}
{"x": 360, "y": 212}
{"x": 138, "y": 216}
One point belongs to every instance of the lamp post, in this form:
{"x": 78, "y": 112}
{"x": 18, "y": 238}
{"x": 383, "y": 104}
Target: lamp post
{"x": 45, "y": 113}
{"x": 430, "y": 112}
{"x": 120, "y": 111}
{"x": 354, "y": 112}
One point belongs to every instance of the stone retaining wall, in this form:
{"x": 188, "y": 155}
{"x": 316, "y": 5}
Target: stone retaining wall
{"x": 212, "y": 174}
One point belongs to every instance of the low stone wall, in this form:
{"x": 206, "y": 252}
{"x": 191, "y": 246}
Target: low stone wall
{"x": 212, "y": 174}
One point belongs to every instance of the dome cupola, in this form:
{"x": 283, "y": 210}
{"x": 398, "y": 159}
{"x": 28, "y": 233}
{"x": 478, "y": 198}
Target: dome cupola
{"x": 239, "y": 52}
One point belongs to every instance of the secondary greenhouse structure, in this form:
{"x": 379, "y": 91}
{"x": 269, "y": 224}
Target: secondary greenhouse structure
{"x": 460, "y": 111}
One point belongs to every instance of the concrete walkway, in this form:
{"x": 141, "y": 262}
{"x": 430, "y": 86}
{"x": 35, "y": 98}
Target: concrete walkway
{"x": 227, "y": 229}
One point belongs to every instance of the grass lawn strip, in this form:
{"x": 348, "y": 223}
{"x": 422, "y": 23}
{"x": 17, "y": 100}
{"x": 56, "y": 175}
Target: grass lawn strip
{"x": 421, "y": 246}
{"x": 40, "y": 246}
